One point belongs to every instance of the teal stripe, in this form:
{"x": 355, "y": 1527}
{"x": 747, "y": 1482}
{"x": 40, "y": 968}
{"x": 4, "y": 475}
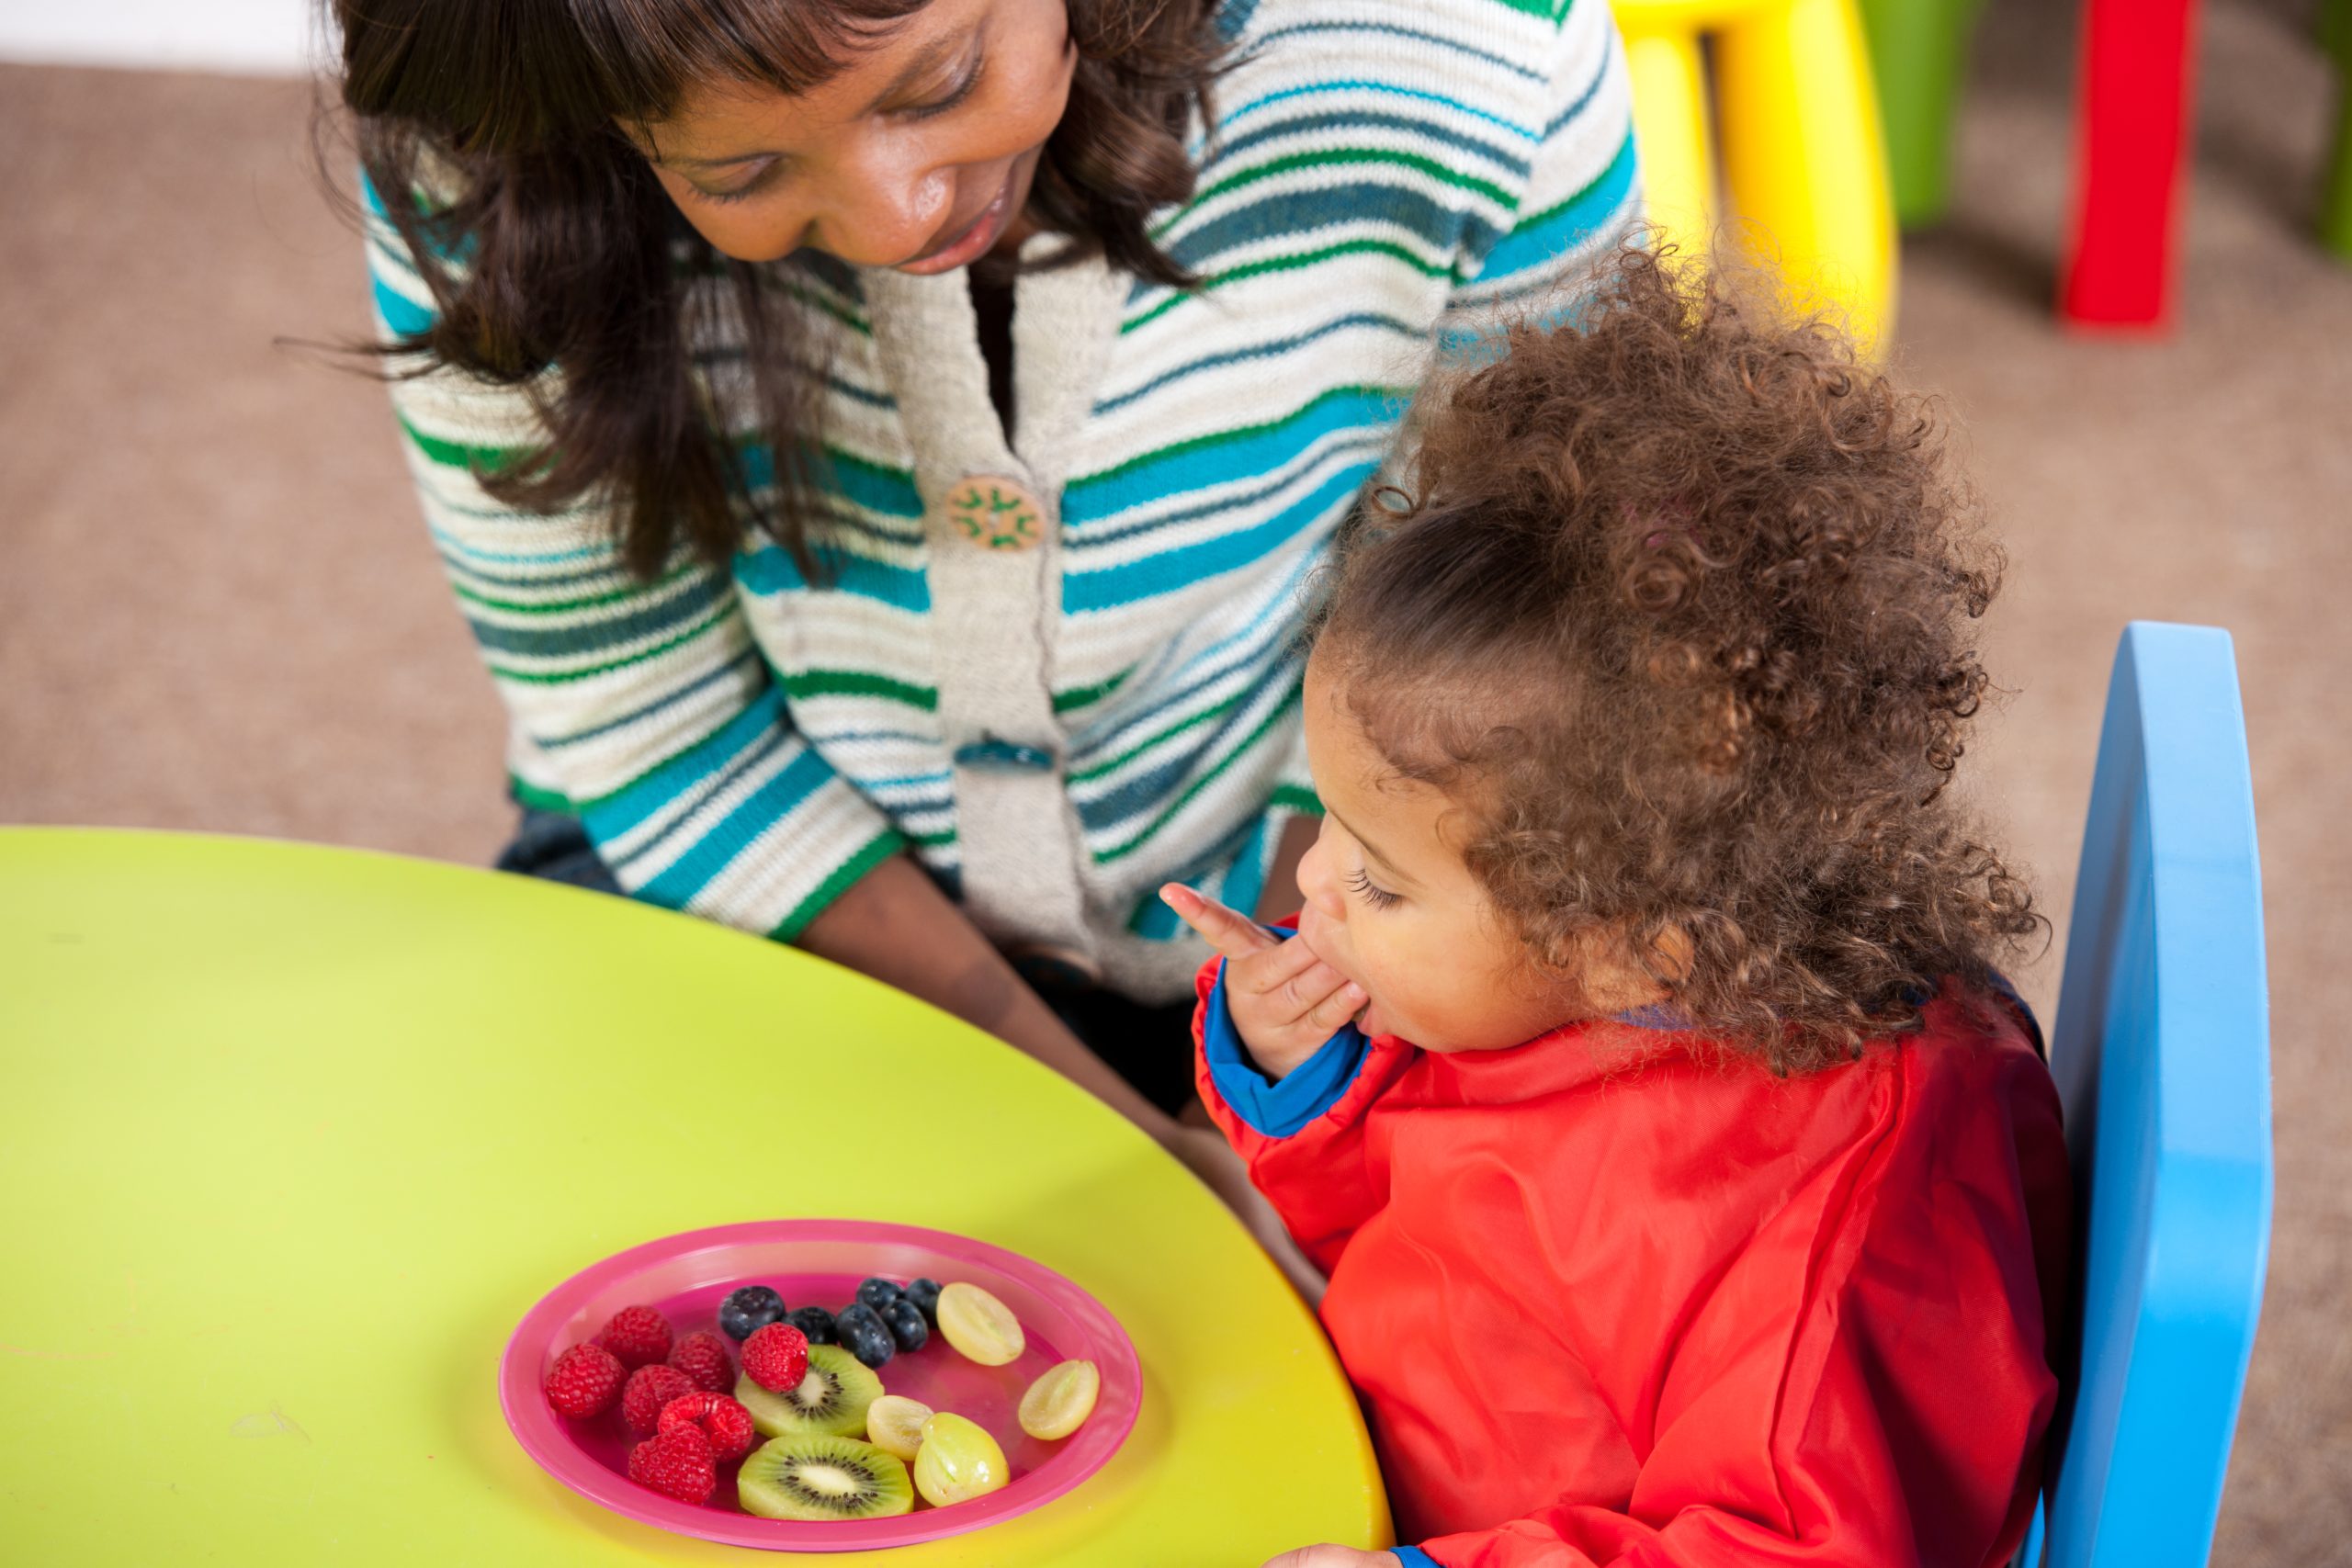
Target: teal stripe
{"x": 1544, "y": 238}
{"x": 770, "y": 570}
{"x": 752, "y": 816}
{"x": 636, "y": 802}
{"x": 876, "y": 486}
{"x": 1171, "y": 569}
{"x": 1227, "y": 456}
{"x": 404, "y": 316}
{"x": 1241, "y": 112}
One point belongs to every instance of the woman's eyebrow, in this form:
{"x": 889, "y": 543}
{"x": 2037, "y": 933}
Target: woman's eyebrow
{"x": 927, "y": 58}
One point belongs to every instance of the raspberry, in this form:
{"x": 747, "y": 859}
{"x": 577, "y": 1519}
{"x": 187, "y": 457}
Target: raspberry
{"x": 638, "y": 1335}
{"x": 585, "y": 1381}
{"x": 651, "y": 1388}
{"x": 676, "y": 1463}
{"x": 726, "y": 1424}
{"x": 701, "y": 1356}
{"x": 777, "y": 1358}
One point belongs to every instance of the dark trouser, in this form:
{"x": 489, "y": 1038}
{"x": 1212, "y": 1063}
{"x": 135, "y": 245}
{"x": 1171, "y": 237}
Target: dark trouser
{"x": 1149, "y": 1046}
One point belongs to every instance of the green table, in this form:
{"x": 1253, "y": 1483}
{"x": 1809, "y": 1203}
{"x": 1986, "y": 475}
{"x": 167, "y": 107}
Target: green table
{"x": 290, "y": 1138}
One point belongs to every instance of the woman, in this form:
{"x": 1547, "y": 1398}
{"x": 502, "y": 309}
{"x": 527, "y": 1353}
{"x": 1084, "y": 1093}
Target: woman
{"x": 879, "y": 445}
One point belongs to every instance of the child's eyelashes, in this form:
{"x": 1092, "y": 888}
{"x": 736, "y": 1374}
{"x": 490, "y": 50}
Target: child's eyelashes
{"x": 1378, "y": 897}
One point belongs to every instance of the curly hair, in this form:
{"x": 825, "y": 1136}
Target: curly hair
{"x": 552, "y": 245}
{"x": 1677, "y": 606}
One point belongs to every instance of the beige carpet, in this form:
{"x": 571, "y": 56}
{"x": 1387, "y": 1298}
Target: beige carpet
{"x": 218, "y": 609}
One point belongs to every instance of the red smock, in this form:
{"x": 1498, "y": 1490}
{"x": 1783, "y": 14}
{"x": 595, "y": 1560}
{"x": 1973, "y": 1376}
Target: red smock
{"x": 1616, "y": 1297}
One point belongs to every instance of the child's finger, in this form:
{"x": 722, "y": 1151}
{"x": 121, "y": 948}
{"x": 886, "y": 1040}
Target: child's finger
{"x": 1335, "y": 1010}
{"x": 1274, "y": 972}
{"x": 1305, "y": 990}
{"x": 1229, "y": 934}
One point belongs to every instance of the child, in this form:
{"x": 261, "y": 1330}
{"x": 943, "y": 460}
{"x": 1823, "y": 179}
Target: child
{"x": 1689, "y": 1187}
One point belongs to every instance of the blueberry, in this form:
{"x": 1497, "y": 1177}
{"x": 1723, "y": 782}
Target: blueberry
{"x": 816, "y": 1323}
{"x": 748, "y": 1310}
{"x": 904, "y": 1320}
{"x": 924, "y": 1293}
{"x": 863, "y": 1334}
{"x": 879, "y": 1294}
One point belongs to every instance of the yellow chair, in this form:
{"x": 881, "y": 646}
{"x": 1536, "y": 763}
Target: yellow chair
{"x": 1803, "y": 154}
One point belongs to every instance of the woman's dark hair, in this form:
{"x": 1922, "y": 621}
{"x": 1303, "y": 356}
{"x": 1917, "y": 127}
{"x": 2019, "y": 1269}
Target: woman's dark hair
{"x": 509, "y": 113}
{"x": 1678, "y": 609}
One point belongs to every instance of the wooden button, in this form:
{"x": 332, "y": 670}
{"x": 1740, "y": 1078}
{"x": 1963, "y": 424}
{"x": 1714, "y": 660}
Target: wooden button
{"x": 996, "y": 514}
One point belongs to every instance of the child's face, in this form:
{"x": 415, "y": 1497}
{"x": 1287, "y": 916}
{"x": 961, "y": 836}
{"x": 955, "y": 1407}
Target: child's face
{"x": 1391, "y": 906}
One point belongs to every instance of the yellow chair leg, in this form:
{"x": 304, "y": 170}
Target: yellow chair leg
{"x": 1672, "y": 137}
{"x": 1805, "y": 158}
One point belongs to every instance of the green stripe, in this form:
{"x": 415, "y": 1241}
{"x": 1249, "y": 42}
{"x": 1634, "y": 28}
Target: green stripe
{"x": 839, "y": 312}
{"x": 458, "y": 454}
{"x": 594, "y": 601}
{"x": 879, "y": 848}
{"x": 1284, "y": 263}
{"x": 938, "y": 841}
{"x": 1081, "y": 696}
{"x": 1296, "y": 797}
{"x": 538, "y": 799}
{"x": 507, "y": 672}
{"x": 859, "y": 684}
{"x": 1416, "y": 161}
{"x": 1205, "y": 715}
{"x": 1240, "y": 432}
{"x": 1168, "y": 812}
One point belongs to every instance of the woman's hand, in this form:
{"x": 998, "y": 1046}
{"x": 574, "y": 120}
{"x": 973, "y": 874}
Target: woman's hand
{"x": 1286, "y": 1002}
{"x": 1334, "y": 1557}
{"x": 895, "y": 924}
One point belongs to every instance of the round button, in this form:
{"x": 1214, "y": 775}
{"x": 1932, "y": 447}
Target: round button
{"x": 996, "y": 514}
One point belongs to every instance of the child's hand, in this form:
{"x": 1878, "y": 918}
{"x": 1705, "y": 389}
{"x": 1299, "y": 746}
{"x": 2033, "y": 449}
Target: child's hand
{"x": 1333, "y": 1557}
{"x": 1285, "y": 1000}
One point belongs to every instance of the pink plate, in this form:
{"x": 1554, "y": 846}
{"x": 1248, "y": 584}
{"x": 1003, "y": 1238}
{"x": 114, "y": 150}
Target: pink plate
{"x": 819, "y": 1262}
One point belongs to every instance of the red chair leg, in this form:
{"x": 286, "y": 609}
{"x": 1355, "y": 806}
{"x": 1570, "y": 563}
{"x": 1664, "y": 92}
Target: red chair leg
{"x": 2135, "y": 118}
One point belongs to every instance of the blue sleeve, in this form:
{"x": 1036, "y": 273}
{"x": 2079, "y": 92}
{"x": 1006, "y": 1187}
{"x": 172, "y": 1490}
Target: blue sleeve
{"x": 1414, "y": 1557}
{"x": 1276, "y": 1110}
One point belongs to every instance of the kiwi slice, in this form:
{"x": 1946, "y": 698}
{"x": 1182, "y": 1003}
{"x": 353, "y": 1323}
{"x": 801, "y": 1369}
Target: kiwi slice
{"x": 830, "y": 1401}
{"x": 817, "y": 1477}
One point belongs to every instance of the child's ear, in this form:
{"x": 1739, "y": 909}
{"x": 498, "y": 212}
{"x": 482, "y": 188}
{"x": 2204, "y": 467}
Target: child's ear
{"x": 1606, "y": 964}
{"x": 1671, "y": 956}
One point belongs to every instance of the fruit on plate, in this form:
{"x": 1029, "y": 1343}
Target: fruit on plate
{"x": 726, "y": 1424}
{"x": 745, "y": 1312}
{"x": 777, "y": 1356}
{"x": 814, "y": 1476}
{"x": 894, "y": 1425}
{"x": 1061, "y": 1399}
{"x": 877, "y": 1293}
{"x": 701, "y": 1356}
{"x": 958, "y": 1462}
{"x": 636, "y": 1336}
{"x": 864, "y": 1335}
{"x": 676, "y": 1463}
{"x": 585, "y": 1381}
{"x": 924, "y": 1293}
{"x": 979, "y": 1326}
{"x": 816, "y": 1323}
{"x": 648, "y": 1390}
{"x": 904, "y": 1320}
{"x": 832, "y": 1401}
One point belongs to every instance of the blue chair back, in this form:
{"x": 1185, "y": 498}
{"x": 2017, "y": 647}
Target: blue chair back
{"x": 2161, "y": 1054}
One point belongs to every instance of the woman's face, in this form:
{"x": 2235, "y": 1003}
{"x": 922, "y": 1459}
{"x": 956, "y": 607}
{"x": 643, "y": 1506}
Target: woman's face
{"x": 918, "y": 154}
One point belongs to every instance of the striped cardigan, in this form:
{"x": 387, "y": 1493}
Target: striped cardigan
{"x": 1054, "y": 731}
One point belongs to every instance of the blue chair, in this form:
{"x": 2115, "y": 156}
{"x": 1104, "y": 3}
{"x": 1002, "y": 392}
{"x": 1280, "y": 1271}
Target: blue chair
{"x": 2162, "y": 1054}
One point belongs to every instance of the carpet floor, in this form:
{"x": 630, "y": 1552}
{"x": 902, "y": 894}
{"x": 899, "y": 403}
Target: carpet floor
{"x": 218, "y": 609}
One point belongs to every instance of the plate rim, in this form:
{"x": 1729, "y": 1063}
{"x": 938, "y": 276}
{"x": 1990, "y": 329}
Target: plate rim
{"x": 540, "y": 1433}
